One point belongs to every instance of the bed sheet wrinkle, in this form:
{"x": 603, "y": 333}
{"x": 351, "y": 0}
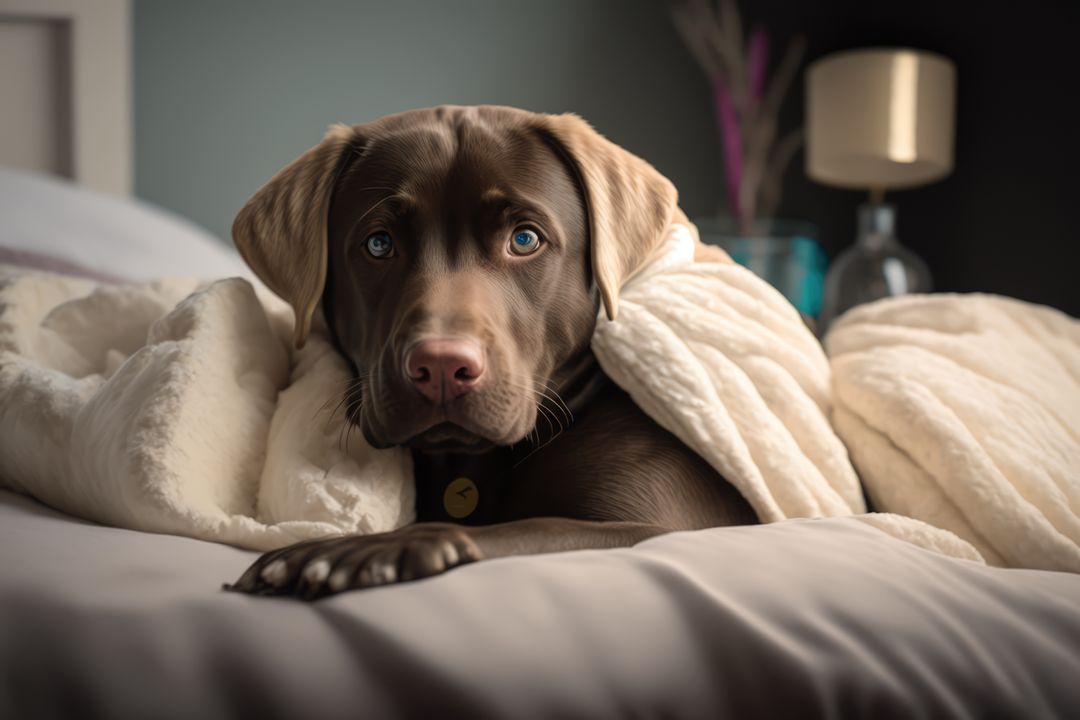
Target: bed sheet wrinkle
{"x": 768, "y": 619}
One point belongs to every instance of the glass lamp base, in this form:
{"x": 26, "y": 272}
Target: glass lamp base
{"x": 877, "y": 266}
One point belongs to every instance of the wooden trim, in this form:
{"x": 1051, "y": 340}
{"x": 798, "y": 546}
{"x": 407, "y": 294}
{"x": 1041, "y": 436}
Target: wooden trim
{"x": 100, "y": 72}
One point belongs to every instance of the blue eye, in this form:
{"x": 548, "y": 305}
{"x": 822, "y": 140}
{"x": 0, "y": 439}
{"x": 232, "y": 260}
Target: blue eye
{"x": 379, "y": 245}
{"x": 524, "y": 242}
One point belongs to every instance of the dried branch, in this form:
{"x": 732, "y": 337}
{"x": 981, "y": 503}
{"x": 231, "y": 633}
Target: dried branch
{"x": 699, "y": 45}
{"x": 772, "y": 182}
{"x": 729, "y": 35}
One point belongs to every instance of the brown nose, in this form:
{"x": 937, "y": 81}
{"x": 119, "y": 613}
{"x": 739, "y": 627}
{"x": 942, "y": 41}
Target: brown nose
{"x": 445, "y": 368}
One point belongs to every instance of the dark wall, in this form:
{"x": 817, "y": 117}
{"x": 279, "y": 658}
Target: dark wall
{"x": 1005, "y": 221}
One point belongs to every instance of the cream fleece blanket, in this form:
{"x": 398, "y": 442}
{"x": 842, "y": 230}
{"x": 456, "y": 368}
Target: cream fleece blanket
{"x": 964, "y": 411}
{"x": 177, "y": 407}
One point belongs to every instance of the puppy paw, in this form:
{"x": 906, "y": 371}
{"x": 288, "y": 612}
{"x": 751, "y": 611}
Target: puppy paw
{"x": 318, "y": 568}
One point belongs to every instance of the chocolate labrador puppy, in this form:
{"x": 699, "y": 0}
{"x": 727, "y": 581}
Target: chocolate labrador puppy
{"x": 460, "y": 257}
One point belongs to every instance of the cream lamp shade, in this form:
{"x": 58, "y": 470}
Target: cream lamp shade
{"x": 880, "y": 118}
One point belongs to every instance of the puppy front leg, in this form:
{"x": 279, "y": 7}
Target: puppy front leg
{"x": 556, "y": 534}
{"x": 318, "y": 568}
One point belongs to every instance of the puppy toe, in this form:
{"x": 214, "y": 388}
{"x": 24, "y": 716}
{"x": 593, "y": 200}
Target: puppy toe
{"x": 378, "y": 567}
{"x": 385, "y": 573}
{"x": 317, "y": 571}
{"x": 451, "y": 557}
{"x": 339, "y": 580}
{"x": 421, "y": 561}
{"x": 275, "y": 573}
{"x": 468, "y": 550}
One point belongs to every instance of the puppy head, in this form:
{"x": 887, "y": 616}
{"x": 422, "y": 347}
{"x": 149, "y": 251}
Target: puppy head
{"x": 459, "y": 254}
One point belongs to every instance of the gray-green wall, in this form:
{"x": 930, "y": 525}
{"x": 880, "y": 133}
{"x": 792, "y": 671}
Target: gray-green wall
{"x": 228, "y": 91}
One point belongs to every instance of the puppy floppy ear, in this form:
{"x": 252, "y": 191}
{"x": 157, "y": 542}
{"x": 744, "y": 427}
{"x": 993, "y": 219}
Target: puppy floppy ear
{"x": 629, "y": 203}
{"x": 281, "y": 231}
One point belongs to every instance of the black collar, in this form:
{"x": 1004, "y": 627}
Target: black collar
{"x": 453, "y": 487}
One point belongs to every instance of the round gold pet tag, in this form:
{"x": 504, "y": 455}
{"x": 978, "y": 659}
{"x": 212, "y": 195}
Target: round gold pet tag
{"x": 460, "y": 498}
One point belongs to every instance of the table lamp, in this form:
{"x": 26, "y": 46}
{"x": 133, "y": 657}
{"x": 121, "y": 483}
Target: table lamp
{"x": 878, "y": 120}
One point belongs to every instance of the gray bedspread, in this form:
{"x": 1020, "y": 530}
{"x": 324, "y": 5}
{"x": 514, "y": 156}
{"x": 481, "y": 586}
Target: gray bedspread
{"x": 816, "y": 617}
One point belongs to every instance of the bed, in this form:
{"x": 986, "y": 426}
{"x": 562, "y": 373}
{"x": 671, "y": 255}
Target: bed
{"x": 815, "y": 618}
{"x": 825, "y": 618}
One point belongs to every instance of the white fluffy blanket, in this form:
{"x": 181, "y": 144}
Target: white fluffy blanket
{"x": 178, "y": 408}
{"x": 174, "y": 407}
{"x": 964, "y": 411}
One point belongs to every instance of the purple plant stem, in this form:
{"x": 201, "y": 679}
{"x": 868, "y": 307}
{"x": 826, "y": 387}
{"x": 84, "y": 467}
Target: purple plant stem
{"x": 727, "y": 123}
{"x": 757, "y": 63}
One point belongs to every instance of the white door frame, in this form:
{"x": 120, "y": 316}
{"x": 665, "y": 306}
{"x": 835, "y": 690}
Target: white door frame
{"x": 100, "y": 104}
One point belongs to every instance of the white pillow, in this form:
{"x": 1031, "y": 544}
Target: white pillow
{"x": 119, "y": 237}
